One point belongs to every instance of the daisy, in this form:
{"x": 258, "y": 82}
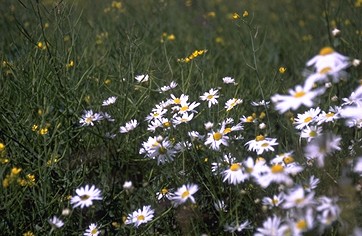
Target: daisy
{"x": 215, "y": 139}
{"x": 311, "y": 184}
{"x": 279, "y": 174}
{"x": 166, "y": 88}
{"x": 185, "y": 118}
{"x": 261, "y": 103}
{"x": 109, "y": 101}
{"x": 298, "y": 198}
{"x": 331, "y": 116}
{"x": 186, "y": 107}
{"x": 156, "y": 114}
{"x": 308, "y": 117}
{"x": 328, "y": 210}
{"x": 89, "y": 117}
{"x": 140, "y": 216}
{"x": 85, "y": 196}
{"x": 229, "y": 80}
{"x": 311, "y": 132}
{"x": 211, "y": 97}
{"x": 55, "y": 222}
{"x": 272, "y": 227}
{"x": 322, "y": 146}
{"x": 184, "y": 193}
{"x": 261, "y": 144}
{"x": 141, "y": 78}
{"x": 131, "y": 125}
{"x": 303, "y": 222}
{"x": 160, "y": 148}
{"x": 220, "y": 206}
{"x": 231, "y": 103}
{"x": 275, "y": 201}
{"x": 299, "y": 96}
{"x": 234, "y": 174}
{"x": 227, "y": 159}
{"x": 235, "y": 227}
{"x": 92, "y": 230}
{"x": 178, "y": 100}
{"x": 328, "y": 58}
{"x": 164, "y": 194}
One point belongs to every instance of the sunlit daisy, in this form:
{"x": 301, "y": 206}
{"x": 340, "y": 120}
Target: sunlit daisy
{"x": 131, "y": 125}
{"x": 211, "y": 97}
{"x": 141, "y": 78}
{"x": 231, "y": 103}
{"x": 216, "y": 138}
{"x": 272, "y": 227}
{"x": 184, "y": 193}
{"x": 275, "y": 201}
{"x": 234, "y": 174}
{"x": 109, "y": 101}
{"x": 158, "y": 148}
{"x": 328, "y": 210}
{"x": 164, "y": 193}
{"x": 92, "y": 230}
{"x": 298, "y": 198}
{"x": 185, "y": 107}
{"x": 229, "y": 80}
{"x": 261, "y": 144}
{"x": 166, "y": 88}
{"x": 140, "y": 216}
{"x": 89, "y": 117}
{"x": 322, "y": 146}
{"x": 55, "y": 222}
{"x": 306, "y": 118}
{"x": 311, "y": 132}
{"x": 184, "y": 118}
{"x": 237, "y": 227}
{"x": 156, "y": 114}
{"x": 178, "y": 100}
{"x": 311, "y": 184}
{"x": 85, "y": 196}
{"x": 330, "y": 116}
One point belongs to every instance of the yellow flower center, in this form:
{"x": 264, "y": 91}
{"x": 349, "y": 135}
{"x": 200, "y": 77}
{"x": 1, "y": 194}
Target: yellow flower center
{"x": 164, "y": 191}
{"x": 162, "y": 150}
{"x": 249, "y": 119}
{"x": 235, "y": 167}
{"x": 299, "y": 94}
{"x": 177, "y": 100}
{"x": 209, "y": 97}
{"x": 259, "y": 138}
{"x": 88, "y": 119}
{"x": 306, "y": 120}
{"x": 166, "y": 124}
{"x": 325, "y": 70}
{"x": 185, "y": 194}
{"x": 287, "y": 160}
{"x": 277, "y": 169}
{"x": 325, "y": 51}
{"x": 330, "y": 114}
{"x": 140, "y": 217}
{"x": 275, "y": 202}
{"x": 301, "y": 224}
{"x": 227, "y": 130}
{"x": 94, "y": 231}
{"x": 217, "y": 136}
{"x": 312, "y": 133}
{"x": 184, "y": 108}
{"x": 266, "y": 144}
{"x": 84, "y": 197}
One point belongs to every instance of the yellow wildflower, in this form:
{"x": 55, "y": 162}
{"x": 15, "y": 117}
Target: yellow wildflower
{"x": 235, "y": 16}
{"x": 70, "y": 64}
{"x": 282, "y": 69}
{"x": 2, "y": 147}
{"x": 245, "y": 13}
{"x": 43, "y": 131}
{"x": 28, "y": 233}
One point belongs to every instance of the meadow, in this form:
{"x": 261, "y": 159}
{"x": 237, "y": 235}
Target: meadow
{"x": 181, "y": 117}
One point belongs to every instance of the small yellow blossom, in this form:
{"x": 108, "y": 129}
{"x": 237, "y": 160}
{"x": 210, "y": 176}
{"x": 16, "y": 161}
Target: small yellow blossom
{"x": 211, "y": 14}
{"x": 235, "y": 16}
{"x": 117, "y": 5}
{"x": 43, "y": 131}
{"x": 4, "y": 160}
{"x": 195, "y": 54}
{"x": 70, "y": 64}
{"x": 41, "y": 45}
{"x": 171, "y": 37}
{"x": 245, "y": 13}
{"x": 15, "y": 171}
{"x": 28, "y": 233}
{"x": 107, "y": 81}
{"x": 34, "y": 127}
{"x": 6, "y": 182}
{"x": 282, "y": 69}
{"x": 2, "y": 147}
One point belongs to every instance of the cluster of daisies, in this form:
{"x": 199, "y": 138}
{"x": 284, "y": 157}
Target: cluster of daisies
{"x": 301, "y": 209}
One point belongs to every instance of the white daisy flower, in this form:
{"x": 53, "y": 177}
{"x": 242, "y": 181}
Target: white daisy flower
{"x": 236, "y": 227}
{"x": 211, "y": 97}
{"x": 298, "y": 198}
{"x": 307, "y": 118}
{"x": 311, "y": 132}
{"x": 274, "y": 201}
{"x": 131, "y": 125}
{"x": 89, "y": 117}
{"x": 231, "y": 103}
{"x": 55, "y": 222}
{"x": 109, "y": 101}
{"x": 261, "y": 144}
{"x": 215, "y": 139}
{"x": 85, "y": 196}
{"x": 272, "y": 227}
{"x": 299, "y": 96}
{"x": 234, "y": 174}
{"x": 141, "y": 78}
{"x": 140, "y": 216}
{"x": 229, "y": 80}
{"x": 184, "y": 193}
{"x": 92, "y": 230}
